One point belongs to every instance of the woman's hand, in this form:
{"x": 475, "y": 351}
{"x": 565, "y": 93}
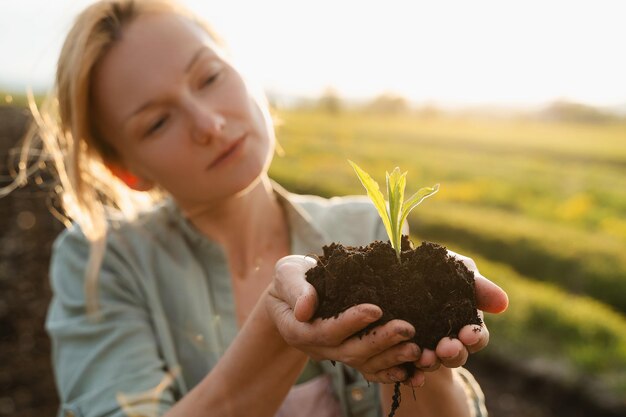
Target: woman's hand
{"x": 379, "y": 354}
{"x": 451, "y": 352}
{"x": 291, "y": 304}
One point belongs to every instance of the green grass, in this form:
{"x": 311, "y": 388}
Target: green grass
{"x": 581, "y": 338}
{"x": 550, "y": 211}
{"x": 540, "y": 206}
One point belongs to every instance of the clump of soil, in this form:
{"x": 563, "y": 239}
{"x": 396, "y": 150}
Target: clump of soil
{"x": 429, "y": 289}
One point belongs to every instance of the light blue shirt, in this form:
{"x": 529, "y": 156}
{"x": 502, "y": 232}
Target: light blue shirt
{"x": 167, "y": 311}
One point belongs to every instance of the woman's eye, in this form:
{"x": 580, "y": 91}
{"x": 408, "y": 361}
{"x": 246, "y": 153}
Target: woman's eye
{"x": 158, "y": 124}
{"x": 210, "y": 79}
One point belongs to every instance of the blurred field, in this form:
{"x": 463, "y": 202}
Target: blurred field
{"x": 541, "y": 206}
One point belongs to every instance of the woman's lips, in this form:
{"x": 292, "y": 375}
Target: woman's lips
{"x": 228, "y": 152}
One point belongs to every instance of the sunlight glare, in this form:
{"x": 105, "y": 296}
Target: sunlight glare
{"x": 448, "y": 51}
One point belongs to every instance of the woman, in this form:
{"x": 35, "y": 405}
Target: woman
{"x": 173, "y": 291}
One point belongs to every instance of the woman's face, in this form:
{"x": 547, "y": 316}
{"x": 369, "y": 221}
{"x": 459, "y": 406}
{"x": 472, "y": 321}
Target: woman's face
{"x": 178, "y": 114}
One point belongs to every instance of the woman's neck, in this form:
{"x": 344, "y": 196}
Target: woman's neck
{"x": 246, "y": 225}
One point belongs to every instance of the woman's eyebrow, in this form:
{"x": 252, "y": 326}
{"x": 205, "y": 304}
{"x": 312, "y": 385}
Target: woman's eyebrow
{"x": 196, "y": 56}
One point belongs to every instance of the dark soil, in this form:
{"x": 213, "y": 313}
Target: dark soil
{"x": 429, "y": 289}
{"x": 425, "y": 287}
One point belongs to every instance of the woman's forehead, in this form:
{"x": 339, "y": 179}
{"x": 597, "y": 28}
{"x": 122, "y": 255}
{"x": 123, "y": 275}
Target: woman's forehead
{"x": 154, "y": 52}
{"x": 164, "y": 37}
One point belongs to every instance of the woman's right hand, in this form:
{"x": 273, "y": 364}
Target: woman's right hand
{"x": 377, "y": 355}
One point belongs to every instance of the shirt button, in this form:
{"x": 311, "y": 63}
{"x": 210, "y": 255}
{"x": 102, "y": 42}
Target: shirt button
{"x": 357, "y": 394}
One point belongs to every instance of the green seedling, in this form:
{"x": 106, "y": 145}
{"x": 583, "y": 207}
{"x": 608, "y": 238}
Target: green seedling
{"x": 395, "y": 211}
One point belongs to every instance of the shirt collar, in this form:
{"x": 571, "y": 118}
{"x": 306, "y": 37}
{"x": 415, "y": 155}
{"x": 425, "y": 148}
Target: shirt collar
{"x": 305, "y": 237}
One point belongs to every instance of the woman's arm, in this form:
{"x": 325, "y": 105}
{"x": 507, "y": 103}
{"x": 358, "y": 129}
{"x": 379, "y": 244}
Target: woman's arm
{"x": 442, "y": 395}
{"x": 260, "y": 366}
{"x": 114, "y": 364}
{"x": 252, "y": 378}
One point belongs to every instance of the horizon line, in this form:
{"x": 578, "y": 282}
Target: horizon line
{"x": 291, "y": 98}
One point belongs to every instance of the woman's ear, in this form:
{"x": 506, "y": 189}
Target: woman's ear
{"x": 131, "y": 180}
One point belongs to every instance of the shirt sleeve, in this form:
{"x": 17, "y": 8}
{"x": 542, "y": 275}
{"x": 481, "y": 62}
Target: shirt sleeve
{"x": 106, "y": 364}
{"x": 475, "y": 396}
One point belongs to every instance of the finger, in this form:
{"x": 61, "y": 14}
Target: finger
{"x": 451, "y": 352}
{"x": 489, "y": 297}
{"x": 291, "y": 286}
{"x": 469, "y": 262}
{"x": 394, "y": 356}
{"x": 322, "y": 335}
{"x": 335, "y": 331}
{"x": 428, "y": 361}
{"x": 417, "y": 380}
{"x": 358, "y": 350}
{"x": 306, "y": 304}
{"x": 389, "y": 376}
{"x": 474, "y": 337}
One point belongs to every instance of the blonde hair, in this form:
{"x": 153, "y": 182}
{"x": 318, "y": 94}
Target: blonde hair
{"x": 64, "y": 125}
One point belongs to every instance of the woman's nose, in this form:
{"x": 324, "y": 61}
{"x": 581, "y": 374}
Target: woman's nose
{"x": 206, "y": 122}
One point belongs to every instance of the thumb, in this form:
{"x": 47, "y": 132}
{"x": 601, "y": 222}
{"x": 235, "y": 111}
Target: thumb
{"x": 490, "y": 297}
{"x": 292, "y": 287}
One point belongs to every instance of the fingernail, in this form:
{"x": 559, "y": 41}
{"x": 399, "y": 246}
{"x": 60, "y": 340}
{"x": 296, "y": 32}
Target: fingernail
{"x": 371, "y": 312}
{"x": 411, "y": 356}
{"x": 452, "y": 356}
{"x": 475, "y": 330}
{"x": 404, "y": 332}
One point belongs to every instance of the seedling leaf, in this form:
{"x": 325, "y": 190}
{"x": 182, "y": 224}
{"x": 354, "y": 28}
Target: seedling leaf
{"x": 373, "y": 192}
{"x": 416, "y": 199}
{"x": 396, "y": 183}
{"x": 395, "y": 212}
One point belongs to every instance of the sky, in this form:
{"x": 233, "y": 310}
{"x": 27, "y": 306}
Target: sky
{"x": 452, "y": 52}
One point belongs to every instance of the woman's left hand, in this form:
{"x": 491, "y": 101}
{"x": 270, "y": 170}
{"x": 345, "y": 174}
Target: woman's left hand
{"x": 453, "y": 352}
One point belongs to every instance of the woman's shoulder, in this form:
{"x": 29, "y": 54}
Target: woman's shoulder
{"x": 352, "y": 220}
{"x": 148, "y": 228}
{"x": 129, "y": 255}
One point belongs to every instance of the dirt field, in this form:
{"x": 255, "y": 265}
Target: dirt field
{"x": 26, "y": 232}
{"x": 27, "y": 389}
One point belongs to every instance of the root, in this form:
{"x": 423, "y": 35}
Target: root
{"x": 395, "y": 399}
